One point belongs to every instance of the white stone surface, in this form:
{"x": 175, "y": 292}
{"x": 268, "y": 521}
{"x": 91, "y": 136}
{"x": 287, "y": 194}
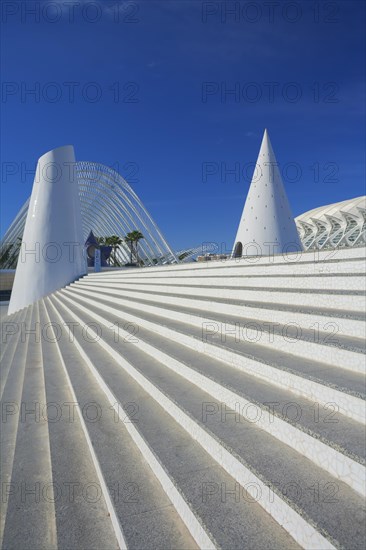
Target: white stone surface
{"x": 315, "y": 350}
{"x": 315, "y": 282}
{"x": 349, "y": 405}
{"x": 347, "y": 302}
{"x": 299, "y": 528}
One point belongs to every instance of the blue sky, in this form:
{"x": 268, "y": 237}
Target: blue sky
{"x": 150, "y": 96}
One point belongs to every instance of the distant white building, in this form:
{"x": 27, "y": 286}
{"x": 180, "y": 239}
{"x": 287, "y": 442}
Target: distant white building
{"x": 338, "y": 225}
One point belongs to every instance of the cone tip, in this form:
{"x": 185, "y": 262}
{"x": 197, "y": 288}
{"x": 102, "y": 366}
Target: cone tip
{"x": 266, "y": 139}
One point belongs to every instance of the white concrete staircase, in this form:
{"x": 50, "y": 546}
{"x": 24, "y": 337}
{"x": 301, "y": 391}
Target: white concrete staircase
{"x": 216, "y": 405}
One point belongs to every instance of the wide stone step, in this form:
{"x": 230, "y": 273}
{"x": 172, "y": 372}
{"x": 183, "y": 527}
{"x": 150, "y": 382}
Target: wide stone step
{"x": 346, "y": 457}
{"x": 30, "y": 516}
{"x": 141, "y": 509}
{"x": 315, "y": 381}
{"x": 328, "y": 322}
{"x": 319, "y": 303}
{"x": 244, "y": 270}
{"x": 13, "y": 367}
{"x": 78, "y": 491}
{"x": 12, "y": 337}
{"x": 246, "y": 443}
{"x": 311, "y": 343}
{"x": 184, "y": 468}
{"x": 324, "y": 283}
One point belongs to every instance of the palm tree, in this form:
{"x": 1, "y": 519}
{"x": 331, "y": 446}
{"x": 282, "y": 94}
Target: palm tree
{"x": 137, "y": 236}
{"x": 132, "y": 239}
{"x": 115, "y": 242}
{"x": 129, "y": 241}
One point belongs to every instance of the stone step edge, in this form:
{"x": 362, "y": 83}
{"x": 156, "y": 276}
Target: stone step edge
{"x": 34, "y": 393}
{"x": 23, "y": 316}
{"x": 350, "y": 405}
{"x": 311, "y": 447}
{"x": 340, "y": 269}
{"x": 197, "y": 531}
{"x": 103, "y": 485}
{"x": 332, "y": 355}
{"x": 6, "y": 319}
{"x": 268, "y": 289}
{"x": 4, "y": 505}
{"x": 303, "y": 532}
{"x": 267, "y": 284}
{"x": 60, "y": 393}
{"x": 278, "y": 297}
{"x": 244, "y": 275}
{"x": 260, "y": 312}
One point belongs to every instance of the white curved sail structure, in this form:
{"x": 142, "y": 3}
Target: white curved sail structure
{"x": 109, "y": 206}
{"x": 51, "y": 255}
{"x": 267, "y": 225}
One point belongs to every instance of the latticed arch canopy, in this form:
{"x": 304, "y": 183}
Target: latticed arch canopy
{"x": 109, "y": 206}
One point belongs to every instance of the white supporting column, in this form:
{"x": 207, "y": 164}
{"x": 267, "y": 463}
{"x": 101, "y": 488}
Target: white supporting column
{"x": 267, "y": 225}
{"x": 51, "y": 255}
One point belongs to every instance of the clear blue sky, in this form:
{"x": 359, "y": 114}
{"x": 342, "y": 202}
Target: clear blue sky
{"x": 298, "y": 69}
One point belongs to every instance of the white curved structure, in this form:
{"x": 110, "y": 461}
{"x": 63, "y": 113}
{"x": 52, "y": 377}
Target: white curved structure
{"x": 267, "y": 225}
{"x": 338, "y": 225}
{"x": 109, "y": 206}
{"x": 51, "y": 254}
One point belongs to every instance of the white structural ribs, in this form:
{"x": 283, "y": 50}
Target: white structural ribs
{"x": 189, "y": 406}
{"x": 338, "y": 225}
{"x": 109, "y": 206}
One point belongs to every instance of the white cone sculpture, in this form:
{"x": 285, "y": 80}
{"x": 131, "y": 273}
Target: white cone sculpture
{"x": 267, "y": 225}
{"x": 51, "y": 254}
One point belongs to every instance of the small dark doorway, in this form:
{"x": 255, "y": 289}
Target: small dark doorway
{"x": 238, "y": 250}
